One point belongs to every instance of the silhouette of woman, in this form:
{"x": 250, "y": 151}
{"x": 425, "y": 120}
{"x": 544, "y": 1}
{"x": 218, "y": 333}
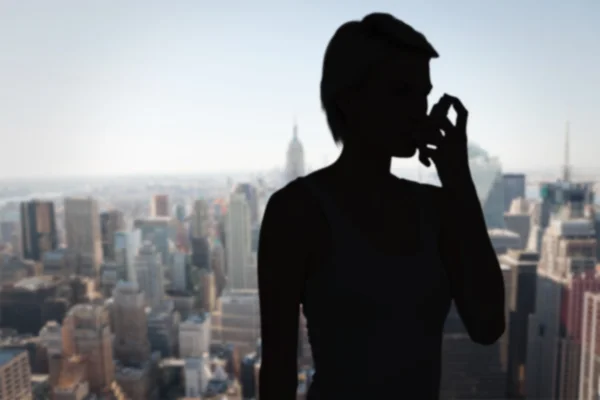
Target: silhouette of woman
{"x": 374, "y": 260}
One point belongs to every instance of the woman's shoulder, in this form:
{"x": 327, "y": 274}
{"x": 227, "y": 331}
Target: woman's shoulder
{"x": 292, "y": 216}
{"x": 293, "y": 201}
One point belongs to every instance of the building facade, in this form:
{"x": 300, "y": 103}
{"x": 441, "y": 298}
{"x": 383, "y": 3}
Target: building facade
{"x": 82, "y": 223}
{"x": 38, "y": 229}
{"x": 15, "y": 375}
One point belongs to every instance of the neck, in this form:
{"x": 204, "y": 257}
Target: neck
{"x": 357, "y": 165}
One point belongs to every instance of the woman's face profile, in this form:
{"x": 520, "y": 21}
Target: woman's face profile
{"x": 393, "y": 103}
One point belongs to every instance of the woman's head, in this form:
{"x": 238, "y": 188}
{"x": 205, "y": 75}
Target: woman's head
{"x": 375, "y": 84}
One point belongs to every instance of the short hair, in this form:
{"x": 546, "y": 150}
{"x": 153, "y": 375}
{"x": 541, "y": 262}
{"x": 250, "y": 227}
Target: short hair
{"x": 354, "y": 49}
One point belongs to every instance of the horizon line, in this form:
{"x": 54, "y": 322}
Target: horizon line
{"x": 224, "y": 173}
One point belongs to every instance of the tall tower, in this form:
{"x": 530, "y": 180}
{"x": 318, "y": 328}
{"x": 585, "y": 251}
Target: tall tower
{"x": 294, "y": 167}
{"x": 83, "y": 233}
{"x": 566, "y": 270}
{"x": 200, "y": 219}
{"x": 239, "y": 240}
{"x": 200, "y": 233}
{"x": 217, "y": 264}
{"x": 150, "y": 276}
{"x": 38, "y": 226}
{"x": 566, "y": 175}
{"x": 127, "y": 245}
{"x": 130, "y": 324}
{"x": 110, "y": 223}
{"x": 248, "y": 190}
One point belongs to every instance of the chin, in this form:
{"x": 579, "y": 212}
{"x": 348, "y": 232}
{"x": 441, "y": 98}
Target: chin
{"x": 406, "y": 152}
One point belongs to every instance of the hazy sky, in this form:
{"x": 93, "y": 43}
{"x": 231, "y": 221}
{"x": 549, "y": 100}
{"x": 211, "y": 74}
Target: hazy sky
{"x": 126, "y": 86}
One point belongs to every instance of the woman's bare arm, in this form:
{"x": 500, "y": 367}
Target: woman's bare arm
{"x": 281, "y": 277}
{"x": 467, "y": 252}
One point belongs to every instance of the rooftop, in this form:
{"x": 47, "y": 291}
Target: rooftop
{"x": 156, "y": 219}
{"x": 34, "y": 283}
{"x": 503, "y": 233}
{"x": 7, "y": 354}
{"x": 54, "y": 255}
{"x": 172, "y": 362}
{"x": 37, "y": 379}
{"x": 197, "y": 318}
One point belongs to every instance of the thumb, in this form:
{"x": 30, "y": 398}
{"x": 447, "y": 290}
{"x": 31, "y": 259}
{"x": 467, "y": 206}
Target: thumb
{"x": 427, "y": 156}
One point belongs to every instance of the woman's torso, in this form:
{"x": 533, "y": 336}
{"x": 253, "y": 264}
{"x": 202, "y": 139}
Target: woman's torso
{"x": 375, "y": 319}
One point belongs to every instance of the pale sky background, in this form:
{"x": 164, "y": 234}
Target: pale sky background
{"x": 90, "y": 87}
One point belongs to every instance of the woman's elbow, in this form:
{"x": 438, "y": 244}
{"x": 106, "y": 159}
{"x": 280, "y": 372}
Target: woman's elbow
{"x": 488, "y": 332}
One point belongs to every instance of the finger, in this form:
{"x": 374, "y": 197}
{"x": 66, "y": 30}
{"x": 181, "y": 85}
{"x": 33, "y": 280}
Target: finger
{"x": 452, "y": 132}
{"x": 432, "y": 140}
{"x": 462, "y": 114}
{"x": 444, "y": 124}
{"x": 442, "y": 107}
{"x": 426, "y": 156}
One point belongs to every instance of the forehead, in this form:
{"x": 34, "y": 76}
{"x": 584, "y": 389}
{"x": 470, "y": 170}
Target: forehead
{"x": 403, "y": 68}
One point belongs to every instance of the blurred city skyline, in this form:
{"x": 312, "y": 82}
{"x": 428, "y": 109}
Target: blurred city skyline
{"x": 141, "y": 88}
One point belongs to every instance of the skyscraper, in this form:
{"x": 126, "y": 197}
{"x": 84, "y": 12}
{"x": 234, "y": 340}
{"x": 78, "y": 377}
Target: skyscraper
{"x": 51, "y": 337}
{"x": 163, "y": 328}
{"x": 565, "y": 272}
{"x": 110, "y": 223}
{"x": 200, "y": 229}
{"x": 150, "y": 275}
{"x": 82, "y": 223}
{"x": 487, "y": 177}
{"x": 521, "y": 303}
{"x": 159, "y": 206}
{"x": 7, "y": 230}
{"x": 208, "y": 289}
{"x": 514, "y": 187}
{"x": 127, "y": 245}
{"x": 294, "y": 165}
{"x": 589, "y": 372}
{"x": 179, "y": 271}
{"x": 38, "y": 227}
{"x": 239, "y": 240}
{"x": 130, "y": 324}
{"x": 200, "y": 219}
{"x": 237, "y": 320}
{"x": 157, "y": 231}
{"x": 195, "y": 336}
{"x": 251, "y": 194}
{"x": 217, "y": 263}
{"x": 15, "y": 374}
{"x": 555, "y": 195}
{"x": 87, "y": 334}
{"x": 197, "y": 375}
{"x": 180, "y": 212}
{"x": 518, "y": 219}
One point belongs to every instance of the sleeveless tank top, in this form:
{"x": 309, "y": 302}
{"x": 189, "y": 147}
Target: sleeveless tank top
{"x": 375, "y": 322}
